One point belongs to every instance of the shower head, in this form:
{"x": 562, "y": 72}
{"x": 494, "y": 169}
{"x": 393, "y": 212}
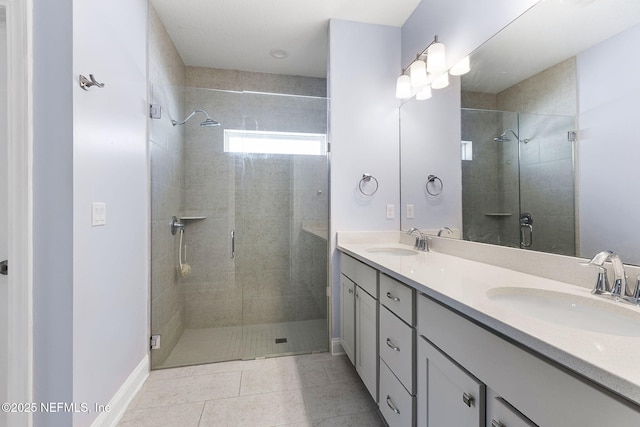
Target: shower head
{"x": 504, "y": 138}
{"x": 208, "y": 122}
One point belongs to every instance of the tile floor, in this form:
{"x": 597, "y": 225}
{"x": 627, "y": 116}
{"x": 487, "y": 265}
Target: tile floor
{"x": 247, "y": 342}
{"x": 299, "y": 391}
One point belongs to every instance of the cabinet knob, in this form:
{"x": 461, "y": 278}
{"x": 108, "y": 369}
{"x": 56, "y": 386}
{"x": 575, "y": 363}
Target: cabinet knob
{"x": 467, "y": 399}
{"x": 350, "y": 290}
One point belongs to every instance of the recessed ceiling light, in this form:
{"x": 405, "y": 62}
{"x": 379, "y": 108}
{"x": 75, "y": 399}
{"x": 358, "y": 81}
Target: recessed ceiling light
{"x": 279, "y": 53}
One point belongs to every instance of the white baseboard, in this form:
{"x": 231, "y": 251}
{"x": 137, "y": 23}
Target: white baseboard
{"x": 123, "y": 397}
{"x": 336, "y": 347}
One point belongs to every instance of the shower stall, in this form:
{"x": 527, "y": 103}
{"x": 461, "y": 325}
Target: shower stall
{"x": 248, "y": 186}
{"x": 518, "y": 180}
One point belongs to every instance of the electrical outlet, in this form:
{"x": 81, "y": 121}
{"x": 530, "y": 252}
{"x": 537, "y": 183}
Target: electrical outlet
{"x": 391, "y": 211}
{"x": 410, "y": 211}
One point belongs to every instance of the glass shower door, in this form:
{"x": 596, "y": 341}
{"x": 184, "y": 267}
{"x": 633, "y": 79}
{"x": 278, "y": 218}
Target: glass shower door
{"x": 255, "y": 226}
{"x": 547, "y": 213}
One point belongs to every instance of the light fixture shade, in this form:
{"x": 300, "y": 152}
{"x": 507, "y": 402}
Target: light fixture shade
{"x": 462, "y": 67}
{"x": 403, "y": 87}
{"x": 436, "y": 58}
{"x": 441, "y": 81}
{"x": 425, "y": 93}
{"x": 418, "y": 73}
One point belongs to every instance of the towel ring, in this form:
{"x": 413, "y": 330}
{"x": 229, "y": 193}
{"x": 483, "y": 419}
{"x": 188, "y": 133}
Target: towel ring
{"x": 367, "y": 177}
{"x": 433, "y": 179}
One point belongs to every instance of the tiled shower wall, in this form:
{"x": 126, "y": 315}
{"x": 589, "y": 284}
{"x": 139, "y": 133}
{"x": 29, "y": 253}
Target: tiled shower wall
{"x": 166, "y": 71}
{"x": 278, "y": 272}
{"x": 546, "y": 166}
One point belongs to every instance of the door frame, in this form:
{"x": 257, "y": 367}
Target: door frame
{"x": 20, "y": 143}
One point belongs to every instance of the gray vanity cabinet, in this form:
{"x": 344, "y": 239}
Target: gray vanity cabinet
{"x": 501, "y": 414}
{"x": 397, "y": 352}
{"x": 448, "y": 395}
{"x": 359, "y": 321}
{"x": 347, "y": 316}
{"x": 367, "y": 340}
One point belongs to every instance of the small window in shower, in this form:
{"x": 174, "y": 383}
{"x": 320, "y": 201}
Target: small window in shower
{"x": 263, "y": 142}
{"x": 467, "y": 150}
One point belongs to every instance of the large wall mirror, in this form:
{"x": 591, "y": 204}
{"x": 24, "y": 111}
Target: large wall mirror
{"x": 548, "y": 151}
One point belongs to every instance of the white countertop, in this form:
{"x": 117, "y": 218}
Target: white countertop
{"x": 610, "y": 360}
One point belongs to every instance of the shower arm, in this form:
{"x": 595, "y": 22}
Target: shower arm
{"x": 197, "y": 110}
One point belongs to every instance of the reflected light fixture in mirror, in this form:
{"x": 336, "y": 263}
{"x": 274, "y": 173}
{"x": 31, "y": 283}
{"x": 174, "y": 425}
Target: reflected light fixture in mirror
{"x": 462, "y": 67}
{"x": 441, "y": 81}
{"x": 424, "y": 93}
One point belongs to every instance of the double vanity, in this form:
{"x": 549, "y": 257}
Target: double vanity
{"x": 443, "y": 340}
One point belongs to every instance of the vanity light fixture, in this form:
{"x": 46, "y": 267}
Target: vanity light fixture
{"x": 403, "y": 87}
{"x": 430, "y": 62}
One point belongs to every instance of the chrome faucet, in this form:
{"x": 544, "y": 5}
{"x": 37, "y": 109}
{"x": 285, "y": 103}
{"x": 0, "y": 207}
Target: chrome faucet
{"x": 421, "y": 240}
{"x": 620, "y": 288}
{"x": 447, "y": 229}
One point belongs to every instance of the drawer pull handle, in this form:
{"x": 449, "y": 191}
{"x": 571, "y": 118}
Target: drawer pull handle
{"x": 391, "y": 345}
{"x": 396, "y": 299}
{"x": 467, "y": 399}
{"x": 495, "y": 423}
{"x": 391, "y": 405}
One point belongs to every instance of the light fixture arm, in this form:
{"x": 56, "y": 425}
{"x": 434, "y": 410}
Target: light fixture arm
{"x": 420, "y": 54}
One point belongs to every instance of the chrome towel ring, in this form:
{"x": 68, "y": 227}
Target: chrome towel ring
{"x": 436, "y": 184}
{"x": 367, "y": 177}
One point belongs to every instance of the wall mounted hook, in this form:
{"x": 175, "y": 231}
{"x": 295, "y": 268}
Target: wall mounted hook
{"x": 86, "y": 83}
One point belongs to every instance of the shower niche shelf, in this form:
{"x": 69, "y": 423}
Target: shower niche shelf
{"x": 495, "y": 214}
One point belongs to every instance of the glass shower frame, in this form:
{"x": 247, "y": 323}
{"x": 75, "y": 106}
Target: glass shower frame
{"x": 531, "y": 172}
{"x": 269, "y": 297}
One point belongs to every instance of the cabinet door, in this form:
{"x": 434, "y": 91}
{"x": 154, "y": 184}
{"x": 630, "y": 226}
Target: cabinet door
{"x": 347, "y": 317}
{"x": 367, "y": 340}
{"x": 501, "y": 414}
{"x": 447, "y": 394}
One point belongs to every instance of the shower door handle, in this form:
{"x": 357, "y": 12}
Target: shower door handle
{"x": 233, "y": 244}
{"x": 526, "y": 223}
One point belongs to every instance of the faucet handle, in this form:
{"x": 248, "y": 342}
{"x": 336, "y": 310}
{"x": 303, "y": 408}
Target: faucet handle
{"x": 636, "y": 293}
{"x": 602, "y": 282}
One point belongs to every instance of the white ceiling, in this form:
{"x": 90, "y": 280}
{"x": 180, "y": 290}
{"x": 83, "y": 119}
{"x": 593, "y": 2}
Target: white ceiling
{"x": 239, "y": 34}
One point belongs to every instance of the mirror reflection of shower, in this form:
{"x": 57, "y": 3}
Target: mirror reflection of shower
{"x": 504, "y": 138}
{"x": 208, "y": 122}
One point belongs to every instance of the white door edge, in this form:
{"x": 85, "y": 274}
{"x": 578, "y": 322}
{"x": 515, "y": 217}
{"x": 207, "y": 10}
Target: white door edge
{"x": 20, "y": 334}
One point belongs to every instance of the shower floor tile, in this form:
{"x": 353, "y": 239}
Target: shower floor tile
{"x": 206, "y": 345}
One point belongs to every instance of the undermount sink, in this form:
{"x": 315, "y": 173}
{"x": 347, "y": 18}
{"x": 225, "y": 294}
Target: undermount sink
{"x": 393, "y": 251}
{"x": 574, "y": 311}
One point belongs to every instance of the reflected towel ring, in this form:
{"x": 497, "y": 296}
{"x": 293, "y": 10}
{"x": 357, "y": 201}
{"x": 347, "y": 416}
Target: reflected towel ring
{"x": 433, "y": 179}
{"x": 367, "y": 177}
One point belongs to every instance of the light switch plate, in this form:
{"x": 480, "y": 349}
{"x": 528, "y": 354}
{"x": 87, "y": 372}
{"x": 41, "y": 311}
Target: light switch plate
{"x": 410, "y": 211}
{"x": 98, "y": 214}
{"x": 391, "y": 211}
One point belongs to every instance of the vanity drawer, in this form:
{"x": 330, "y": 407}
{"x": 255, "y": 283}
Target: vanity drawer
{"x": 360, "y": 273}
{"x": 397, "y": 297}
{"x": 396, "y": 405}
{"x": 396, "y": 347}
